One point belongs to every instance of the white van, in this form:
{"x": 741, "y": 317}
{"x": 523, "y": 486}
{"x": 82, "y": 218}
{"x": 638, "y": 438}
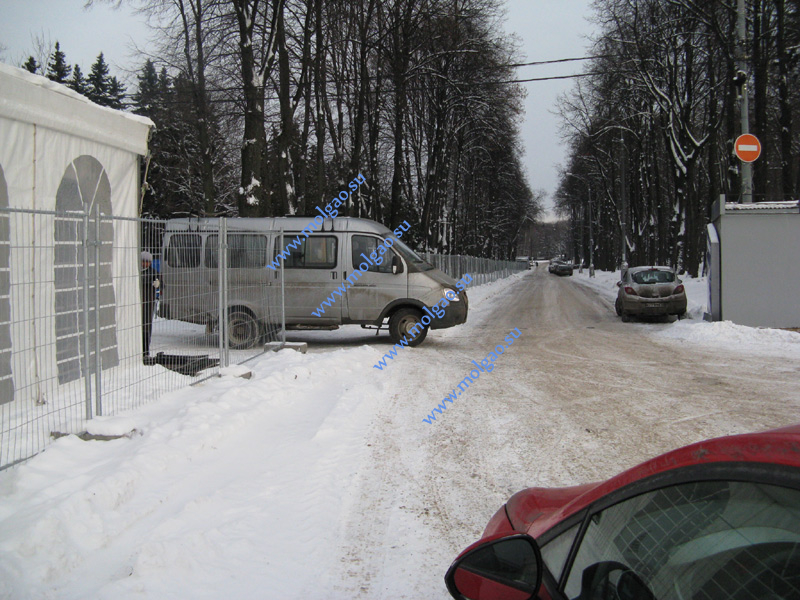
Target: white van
{"x": 396, "y": 291}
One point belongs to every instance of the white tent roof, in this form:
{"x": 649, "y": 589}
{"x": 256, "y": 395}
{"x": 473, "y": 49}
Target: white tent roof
{"x": 37, "y": 100}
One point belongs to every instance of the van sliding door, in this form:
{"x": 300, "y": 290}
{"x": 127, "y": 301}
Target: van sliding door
{"x": 247, "y": 274}
{"x": 311, "y": 274}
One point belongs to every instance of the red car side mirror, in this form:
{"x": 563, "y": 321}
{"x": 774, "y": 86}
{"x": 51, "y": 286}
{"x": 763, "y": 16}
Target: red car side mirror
{"x": 508, "y": 567}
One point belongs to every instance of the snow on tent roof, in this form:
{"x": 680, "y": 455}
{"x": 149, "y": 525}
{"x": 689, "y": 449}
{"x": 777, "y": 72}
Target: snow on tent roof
{"x": 37, "y": 100}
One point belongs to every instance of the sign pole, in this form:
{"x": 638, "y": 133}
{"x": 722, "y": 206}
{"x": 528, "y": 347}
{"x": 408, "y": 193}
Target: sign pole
{"x": 744, "y": 102}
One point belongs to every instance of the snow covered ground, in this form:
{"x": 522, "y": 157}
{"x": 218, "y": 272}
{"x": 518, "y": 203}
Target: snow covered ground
{"x": 317, "y": 477}
{"x": 234, "y": 488}
{"x": 202, "y": 498}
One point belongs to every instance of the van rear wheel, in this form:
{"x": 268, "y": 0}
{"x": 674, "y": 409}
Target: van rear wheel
{"x": 243, "y": 330}
{"x": 406, "y": 323}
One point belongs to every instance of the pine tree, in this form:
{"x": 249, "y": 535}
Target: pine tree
{"x": 31, "y": 65}
{"x": 57, "y": 69}
{"x": 147, "y": 96}
{"x": 99, "y": 82}
{"x": 163, "y": 82}
{"x": 78, "y": 81}
{"x": 116, "y": 93}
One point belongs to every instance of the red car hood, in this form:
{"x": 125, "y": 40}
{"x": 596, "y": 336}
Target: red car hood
{"x": 535, "y": 510}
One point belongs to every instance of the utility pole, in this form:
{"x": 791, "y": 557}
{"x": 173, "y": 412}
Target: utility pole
{"x": 740, "y": 81}
{"x": 591, "y": 236}
{"x": 583, "y": 226}
{"x": 623, "y": 192}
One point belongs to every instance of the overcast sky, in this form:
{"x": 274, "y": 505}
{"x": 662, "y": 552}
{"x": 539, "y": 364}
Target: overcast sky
{"x": 547, "y": 29}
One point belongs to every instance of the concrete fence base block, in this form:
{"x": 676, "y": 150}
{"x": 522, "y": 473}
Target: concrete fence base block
{"x": 301, "y": 347}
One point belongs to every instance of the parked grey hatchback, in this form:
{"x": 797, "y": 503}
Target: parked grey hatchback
{"x": 650, "y": 291}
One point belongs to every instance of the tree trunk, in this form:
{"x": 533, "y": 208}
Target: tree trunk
{"x": 197, "y": 76}
{"x": 760, "y": 79}
{"x": 286, "y": 186}
{"x": 252, "y": 191}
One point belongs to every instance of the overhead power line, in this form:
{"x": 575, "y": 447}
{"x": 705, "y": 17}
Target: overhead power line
{"x": 235, "y": 89}
{"x": 573, "y": 76}
{"x": 558, "y": 60}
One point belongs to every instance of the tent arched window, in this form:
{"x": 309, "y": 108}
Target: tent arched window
{"x": 84, "y": 188}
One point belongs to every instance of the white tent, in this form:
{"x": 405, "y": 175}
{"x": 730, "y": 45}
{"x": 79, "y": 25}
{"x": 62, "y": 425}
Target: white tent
{"x": 60, "y": 152}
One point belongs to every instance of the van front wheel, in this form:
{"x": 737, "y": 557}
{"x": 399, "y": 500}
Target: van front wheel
{"x": 406, "y": 323}
{"x": 243, "y": 330}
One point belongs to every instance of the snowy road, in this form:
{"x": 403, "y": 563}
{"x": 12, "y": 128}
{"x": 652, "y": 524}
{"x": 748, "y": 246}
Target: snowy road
{"x": 318, "y": 478}
{"x": 579, "y": 397}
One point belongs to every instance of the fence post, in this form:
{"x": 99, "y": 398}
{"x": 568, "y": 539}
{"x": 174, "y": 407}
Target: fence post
{"x": 283, "y": 297}
{"x": 98, "y": 386}
{"x": 87, "y": 381}
{"x": 220, "y": 291}
{"x": 222, "y": 270}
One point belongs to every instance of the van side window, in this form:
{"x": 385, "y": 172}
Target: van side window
{"x": 366, "y": 245}
{"x": 245, "y": 251}
{"x": 316, "y": 252}
{"x": 183, "y": 251}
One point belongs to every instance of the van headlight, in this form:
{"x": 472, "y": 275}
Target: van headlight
{"x": 450, "y": 297}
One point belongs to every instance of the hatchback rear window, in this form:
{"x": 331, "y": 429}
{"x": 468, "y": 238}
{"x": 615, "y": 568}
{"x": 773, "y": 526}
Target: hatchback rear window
{"x": 654, "y": 276}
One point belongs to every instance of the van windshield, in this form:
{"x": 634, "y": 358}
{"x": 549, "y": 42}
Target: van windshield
{"x": 408, "y": 253}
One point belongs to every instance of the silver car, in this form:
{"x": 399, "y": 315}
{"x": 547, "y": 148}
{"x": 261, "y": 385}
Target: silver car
{"x": 650, "y": 291}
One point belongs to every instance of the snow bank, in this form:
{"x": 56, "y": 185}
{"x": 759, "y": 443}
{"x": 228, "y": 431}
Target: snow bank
{"x": 232, "y": 490}
{"x": 111, "y": 426}
{"x": 723, "y": 335}
{"x": 727, "y": 335}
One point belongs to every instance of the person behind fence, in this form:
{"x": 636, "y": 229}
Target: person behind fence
{"x": 150, "y": 285}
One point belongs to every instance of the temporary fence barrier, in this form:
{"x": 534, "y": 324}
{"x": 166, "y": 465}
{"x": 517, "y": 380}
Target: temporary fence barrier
{"x": 75, "y": 307}
{"x": 483, "y": 270}
{"x": 77, "y": 310}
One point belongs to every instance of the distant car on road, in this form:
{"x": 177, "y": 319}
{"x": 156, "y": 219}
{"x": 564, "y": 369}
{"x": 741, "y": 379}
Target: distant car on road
{"x": 560, "y": 266}
{"x": 650, "y": 291}
{"x": 716, "y": 519}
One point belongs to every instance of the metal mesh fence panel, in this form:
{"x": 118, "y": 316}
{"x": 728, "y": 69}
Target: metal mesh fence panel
{"x": 89, "y": 329}
{"x": 38, "y": 396}
{"x": 78, "y": 310}
{"x": 483, "y": 270}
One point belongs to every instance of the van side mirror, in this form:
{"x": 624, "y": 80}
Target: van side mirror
{"x": 619, "y": 284}
{"x": 508, "y": 567}
{"x": 397, "y": 265}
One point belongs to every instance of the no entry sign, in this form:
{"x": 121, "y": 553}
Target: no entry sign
{"x": 747, "y": 147}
